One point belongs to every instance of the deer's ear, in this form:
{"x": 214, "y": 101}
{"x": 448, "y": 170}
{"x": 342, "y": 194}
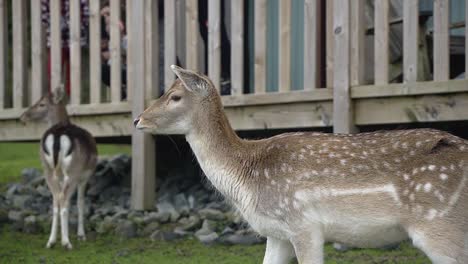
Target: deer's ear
{"x": 191, "y": 80}
{"x": 58, "y": 94}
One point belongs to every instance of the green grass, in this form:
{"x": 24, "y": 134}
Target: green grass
{"x": 16, "y": 156}
{"x": 25, "y": 248}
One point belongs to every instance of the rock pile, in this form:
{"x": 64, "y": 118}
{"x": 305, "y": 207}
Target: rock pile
{"x": 184, "y": 207}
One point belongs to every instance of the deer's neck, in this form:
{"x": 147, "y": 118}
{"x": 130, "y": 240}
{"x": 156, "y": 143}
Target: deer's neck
{"x": 57, "y": 114}
{"x": 223, "y": 157}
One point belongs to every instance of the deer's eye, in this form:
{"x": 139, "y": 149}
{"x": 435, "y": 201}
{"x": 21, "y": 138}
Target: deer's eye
{"x": 175, "y": 98}
{"x": 41, "y": 105}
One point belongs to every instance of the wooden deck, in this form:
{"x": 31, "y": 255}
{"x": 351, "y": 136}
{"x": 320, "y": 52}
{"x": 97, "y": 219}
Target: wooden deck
{"x": 349, "y": 101}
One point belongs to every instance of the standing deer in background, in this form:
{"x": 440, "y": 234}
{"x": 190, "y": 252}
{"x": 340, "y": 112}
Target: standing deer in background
{"x": 68, "y": 154}
{"x": 301, "y": 190}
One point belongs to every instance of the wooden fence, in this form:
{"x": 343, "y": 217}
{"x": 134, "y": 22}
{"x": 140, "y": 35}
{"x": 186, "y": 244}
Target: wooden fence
{"x": 334, "y": 54}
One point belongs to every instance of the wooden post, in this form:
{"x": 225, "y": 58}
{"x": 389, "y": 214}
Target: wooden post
{"x": 143, "y": 145}
{"x": 95, "y": 51}
{"x": 75, "y": 51}
{"x": 343, "y": 117}
{"x": 191, "y": 33}
{"x": 214, "y": 42}
{"x": 381, "y": 46}
{"x": 358, "y": 42}
{"x": 260, "y": 46}
{"x": 410, "y": 40}
{"x": 37, "y": 52}
{"x": 466, "y": 41}
{"x": 329, "y": 43}
{"x": 116, "y": 53}
{"x": 169, "y": 42}
{"x": 284, "y": 46}
{"x": 3, "y": 50}
{"x": 151, "y": 50}
{"x": 129, "y": 13}
{"x": 441, "y": 40}
{"x": 311, "y": 29}
{"x": 237, "y": 47}
{"x": 19, "y": 51}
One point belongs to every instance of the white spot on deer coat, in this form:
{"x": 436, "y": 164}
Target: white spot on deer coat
{"x": 443, "y": 176}
{"x": 427, "y": 187}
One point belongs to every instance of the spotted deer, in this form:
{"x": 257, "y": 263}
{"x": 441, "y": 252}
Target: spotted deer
{"x": 301, "y": 190}
{"x": 68, "y": 154}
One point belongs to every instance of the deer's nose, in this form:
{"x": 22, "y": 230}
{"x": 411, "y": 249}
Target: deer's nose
{"x": 135, "y": 122}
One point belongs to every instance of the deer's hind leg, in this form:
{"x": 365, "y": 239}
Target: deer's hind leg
{"x": 68, "y": 188}
{"x": 80, "y": 205}
{"x": 441, "y": 242}
{"x": 54, "y": 187}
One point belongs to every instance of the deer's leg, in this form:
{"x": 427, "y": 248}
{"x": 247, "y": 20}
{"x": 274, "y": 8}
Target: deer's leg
{"x": 446, "y": 247}
{"x": 80, "y": 205}
{"x": 67, "y": 190}
{"x": 55, "y": 216}
{"x": 278, "y": 251}
{"x": 309, "y": 246}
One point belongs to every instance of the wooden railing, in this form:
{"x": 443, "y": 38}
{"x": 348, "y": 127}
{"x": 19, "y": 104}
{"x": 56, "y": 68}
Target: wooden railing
{"x": 335, "y": 52}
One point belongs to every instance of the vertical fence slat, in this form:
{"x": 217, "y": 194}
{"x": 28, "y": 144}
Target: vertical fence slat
{"x": 343, "y": 118}
{"x": 151, "y": 49}
{"x": 237, "y": 47}
{"x": 37, "y": 52}
{"x": 381, "y": 46}
{"x": 311, "y": 61}
{"x": 19, "y": 49}
{"x": 441, "y": 40}
{"x": 115, "y": 51}
{"x": 95, "y": 51}
{"x": 75, "y": 52}
{"x": 284, "y": 46}
{"x": 3, "y": 50}
{"x": 329, "y": 43}
{"x": 143, "y": 145}
{"x": 55, "y": 44}
{"x": 466, "y": 41}
{"x": 410, "y": 40}
{"x": 191, "y": 33}
{"x": 169, "y": 42}
{"x": 358, "y": 42}
{"x": 214, "y": 42}
{"x": 129, "y": 13}
{"x": 260, "y": 46}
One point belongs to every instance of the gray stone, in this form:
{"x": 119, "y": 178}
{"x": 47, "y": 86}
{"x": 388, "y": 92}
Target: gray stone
{"x": 340, "y": 247}
{"x": 207, "y": 239}
{"x": 30, "y": 174}
{"x": 126, "y": 229}
{"x": 211, "y": 214}
{"x": 150, "y": 228}
{"x": 159, "y": 235}
{"x": 12, "y": 190}
{"x": 20, "y": 201}
{"x": 191, "y": 223}
{"x": 207, "y": 228}
{"x": 16, "y": 216}
{"x": 105, "y": 226}
{"x": 191, "y": 201}
{"x": 167, "y": 207}
{"x": 43, "y": 191}
{"x": 179, "y": 231}
{"x": 31, "y": 225}
{"x": 181, "y": 204}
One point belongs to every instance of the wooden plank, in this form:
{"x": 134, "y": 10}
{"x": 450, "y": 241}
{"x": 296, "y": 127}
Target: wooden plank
{"x": 343, "y": 119}
{"x": 128, "y": 14}
{"x": 329, "y": 43}
{"x": 311, "y": 60}
{"x": 441, "y": 40}
{"x": 381, "y": 42}
{"x": 191, "y": 34}
{"x": 237, "y": 47}
{"x": 284, "y": 46}
{"x": 278, "y": 98}
{"x": 143, "y": 145}
{"x": 260, "y": 46}
{"x": 55, "y": 44}
{"x": 3, "y": 50}
{"x": 19, "y": 53}
{"x": 410, "y": 40}
{"x": 115, "y": 50}
{"x": 466, "y": 40}
{"x": 75, "y": 52}
{"x": 151, "y": 50}
{"x": 169, "y": 42}
{"x": 358, "y": 42}
{"x": 37, "y": 52}
{"x": 95, "y": 51}
{"x": 214, "y": 43}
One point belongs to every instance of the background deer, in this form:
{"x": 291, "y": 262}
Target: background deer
{"x": 303, "y": 189}
{"x": 68, "y": 154}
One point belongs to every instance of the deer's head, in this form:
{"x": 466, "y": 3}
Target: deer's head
{"x": 181, "y": 106}
{"x": 41, "y": 110}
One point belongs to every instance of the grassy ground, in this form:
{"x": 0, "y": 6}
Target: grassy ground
{"x": 23, "y": 248}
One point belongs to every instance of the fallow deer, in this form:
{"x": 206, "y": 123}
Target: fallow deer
{"x": 68, "y": 154}
{"x": 301, "y": 190}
